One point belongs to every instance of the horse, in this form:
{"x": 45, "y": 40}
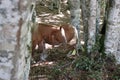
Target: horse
{"x": 44, "y": 33}
{"x": 53, "y": 35}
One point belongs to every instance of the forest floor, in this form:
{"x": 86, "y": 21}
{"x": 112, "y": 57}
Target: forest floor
{"x": 61, "y": 66}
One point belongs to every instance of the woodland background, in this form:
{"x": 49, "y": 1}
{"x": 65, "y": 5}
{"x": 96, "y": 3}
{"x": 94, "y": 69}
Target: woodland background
{"x": 98, "y": 24}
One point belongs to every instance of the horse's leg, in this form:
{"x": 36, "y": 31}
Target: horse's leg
{"x": 53, "y": 41}
{"x": 33, "y": 51}
{"x": 43, "y": 55}
{"x": 33, "y": 48}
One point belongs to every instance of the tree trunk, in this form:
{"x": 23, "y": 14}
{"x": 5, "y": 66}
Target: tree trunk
{"x": 85, "y": 15}
{"x": 112, "y": 31}
{"x": 98, "y": 17}
{"x": 15, "y": 38}
{"x": 92, "y": 25}
{"x": 75, "y": 17}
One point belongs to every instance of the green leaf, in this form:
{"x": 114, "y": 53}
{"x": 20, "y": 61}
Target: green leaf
{"x": 74, "y": 52}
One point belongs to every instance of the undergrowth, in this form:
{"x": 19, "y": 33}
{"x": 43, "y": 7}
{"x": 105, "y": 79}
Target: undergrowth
{"x": 86, "y": 68}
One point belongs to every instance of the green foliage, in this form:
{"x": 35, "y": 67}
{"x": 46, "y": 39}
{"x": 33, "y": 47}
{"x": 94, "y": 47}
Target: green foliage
{"x": 103, "y": 4}
{"x": 116, "y": 77}
{"x": 95, "y": 75}
{"x": 83, "y": 63}
{"x": 101, "y": 43}
{"x": 55, "y": 73}
{"x": 92, "y": 67}
{"x": 116, "y": 73}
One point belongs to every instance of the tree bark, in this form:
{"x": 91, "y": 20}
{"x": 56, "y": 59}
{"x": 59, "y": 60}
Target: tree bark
{"x": 85, "y": 15}
{"x": 75, "y": 17}
{"x": 92, "y": 25}
{"x": 113, "y": 30}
